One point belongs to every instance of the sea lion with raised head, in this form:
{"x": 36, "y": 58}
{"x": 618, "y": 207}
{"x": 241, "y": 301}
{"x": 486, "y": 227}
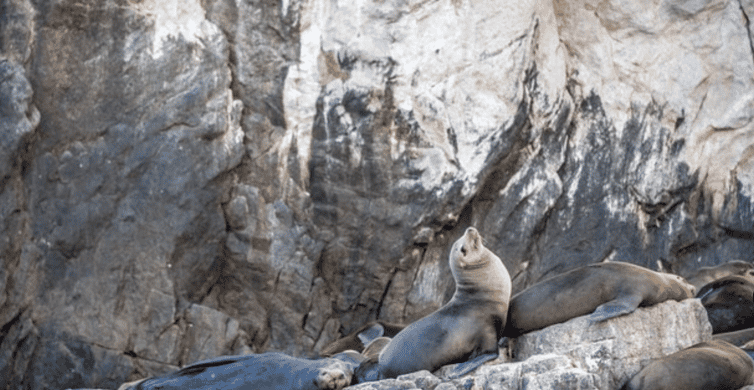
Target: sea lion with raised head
{"x": 714, "y": 364}
{"x": 465, "y": 330}
{"x": 605, "y": 290}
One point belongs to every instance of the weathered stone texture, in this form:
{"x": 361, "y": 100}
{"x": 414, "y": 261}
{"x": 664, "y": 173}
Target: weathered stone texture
{"x": 618, "y": 348}
{"x": 269, "y": 175}
{"x": 120, "y": 173}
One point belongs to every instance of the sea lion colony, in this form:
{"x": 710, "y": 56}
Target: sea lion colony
{"x": 468, "y": 328}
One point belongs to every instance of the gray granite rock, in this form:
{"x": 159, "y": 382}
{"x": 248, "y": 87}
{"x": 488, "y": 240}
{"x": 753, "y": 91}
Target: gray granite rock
{"x": 616, "y": 349}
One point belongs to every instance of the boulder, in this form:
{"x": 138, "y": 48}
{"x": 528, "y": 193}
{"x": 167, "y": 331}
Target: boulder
{"x": 616, "y": 349}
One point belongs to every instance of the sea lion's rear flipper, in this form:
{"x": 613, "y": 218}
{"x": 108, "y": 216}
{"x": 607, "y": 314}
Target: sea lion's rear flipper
{"x": 371, "y": 333}
{"x": 617, "y": 307}
{"x": 375, "y": 347}
{"x": 201, "y": 366}
{"x": 470, "y": 365}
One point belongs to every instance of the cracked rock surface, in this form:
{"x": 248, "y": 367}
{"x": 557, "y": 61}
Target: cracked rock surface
{"x": 186, "y": 179}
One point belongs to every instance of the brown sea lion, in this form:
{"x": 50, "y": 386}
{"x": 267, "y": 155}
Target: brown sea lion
{"x": 706, "y": 275}
{"x": 729, "y": 303}
{"x": 358, "y": 339}
{"x": 606, "y": 290}
{"x": 714, "y": 364}
{"x": 466, "y": 329}
{"x": 737, "y": 338}
{"x": 272, "y": 370}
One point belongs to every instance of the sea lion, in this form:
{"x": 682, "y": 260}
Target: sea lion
{"x": 606, "y": 290}
{"x": 358, "y": 339}
{"x": 738, "y": 338}
{"x": 714, "y": 364}
{"x": 706, "y": 275}
{"x": 729, "y": 303}
{"x": 271, "y": 370}
{"x": 466, "y": 329}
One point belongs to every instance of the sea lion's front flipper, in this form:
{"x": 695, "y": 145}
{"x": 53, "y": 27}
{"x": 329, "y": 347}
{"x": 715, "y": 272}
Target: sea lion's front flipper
{"x": 617, "y": 307}
{"x": 470, "y": 365}
{"x": 374, "y": 348}
{"x": 368, "y": 371}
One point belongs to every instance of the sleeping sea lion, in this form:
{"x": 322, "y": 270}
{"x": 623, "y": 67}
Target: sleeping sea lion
{"x": 714, "y": 364}
{"x": 737, "y": 338}
{"x": 361, "y": 337}
{"x": 271, "y": 370}
{"x": 729, "y": 303}
{"x": 706, "y": 275}
{"x": 606, "y": 290}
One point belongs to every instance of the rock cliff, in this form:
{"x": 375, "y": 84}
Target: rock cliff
{"x": 183, "y": 179}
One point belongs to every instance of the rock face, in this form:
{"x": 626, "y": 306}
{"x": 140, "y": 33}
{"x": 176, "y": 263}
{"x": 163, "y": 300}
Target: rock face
{"x": 616, "y": 349}
{"x": 577, "y": 354}
{"x": 182, "y": 179}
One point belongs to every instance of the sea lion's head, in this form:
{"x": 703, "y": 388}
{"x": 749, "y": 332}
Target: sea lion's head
{"x": 681, "y": 287}
{"x": 476, "y": 267}
{"x": 468, "y": 252}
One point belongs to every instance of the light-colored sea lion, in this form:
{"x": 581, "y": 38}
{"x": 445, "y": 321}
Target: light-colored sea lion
{"x": 729, "y": 303}
{"x": 606, "y": 290}
{"x": 466, "y": 329}
{"x": 706, "y": 275}
{"x": 361, "y": 337}
{"x": 714, "y": 364}
{"x": 272, "y": 370}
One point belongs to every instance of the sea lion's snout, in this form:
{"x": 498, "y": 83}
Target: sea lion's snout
{"x": 473, "y": 238}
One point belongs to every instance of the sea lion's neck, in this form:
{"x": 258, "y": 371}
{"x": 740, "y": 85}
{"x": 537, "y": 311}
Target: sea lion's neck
{"x": 478, "y": 291}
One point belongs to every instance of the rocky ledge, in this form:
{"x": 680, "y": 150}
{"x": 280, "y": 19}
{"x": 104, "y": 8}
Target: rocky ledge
{"x": 577, "y": 354}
